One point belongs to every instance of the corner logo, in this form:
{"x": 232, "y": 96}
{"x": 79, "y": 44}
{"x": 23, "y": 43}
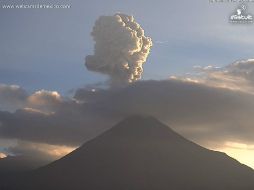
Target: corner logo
{"x": 240, "y": 16}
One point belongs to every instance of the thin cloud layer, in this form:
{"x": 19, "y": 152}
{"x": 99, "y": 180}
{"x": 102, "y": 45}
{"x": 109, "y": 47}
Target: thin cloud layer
{"x": 236, "y": 76}
{"x": 39, "y": 150}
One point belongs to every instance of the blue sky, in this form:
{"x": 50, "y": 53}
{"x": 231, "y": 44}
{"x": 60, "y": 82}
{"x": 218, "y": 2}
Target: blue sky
{"x": 45, "y": 49}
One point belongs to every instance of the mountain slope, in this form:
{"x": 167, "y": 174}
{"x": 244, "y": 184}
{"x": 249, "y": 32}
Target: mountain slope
{"x": 140, "y": 153}
{"x": 17, "y": 164}
{"x": 13, "y": 166}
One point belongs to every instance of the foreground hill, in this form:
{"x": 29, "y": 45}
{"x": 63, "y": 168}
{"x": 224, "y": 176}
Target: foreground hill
{"x": 140, "y": 153}
{"x": 12, "y": 167}
{"x": 18, "y": 164}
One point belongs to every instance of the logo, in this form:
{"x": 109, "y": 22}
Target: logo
{"x": 240, "y": 15}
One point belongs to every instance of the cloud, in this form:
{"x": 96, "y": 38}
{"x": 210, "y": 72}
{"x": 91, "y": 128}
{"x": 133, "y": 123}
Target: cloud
{"x": 13, "y": 97}
{"x": 44, "y": 100}
{"x": 207, "y": 108}
{"x": 71, "y": 124}
{"x": 2, "y": 155}
{"x": 202, "y": 113}
{"x": 120, "y": 50}
{"x": 39, "y": 150}
{"x": 236, "y": 76}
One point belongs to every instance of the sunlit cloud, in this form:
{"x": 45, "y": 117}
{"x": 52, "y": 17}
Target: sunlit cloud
{"x": 2, "y": 155}
{"x": 42, "y": 149}
{"x": 237, "y": 76}
{"x": 43, "y": 97}
{"x": 13, "y": 97}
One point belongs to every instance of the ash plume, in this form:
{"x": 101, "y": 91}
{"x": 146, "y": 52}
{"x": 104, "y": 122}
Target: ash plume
{"x": 120, "y": 49}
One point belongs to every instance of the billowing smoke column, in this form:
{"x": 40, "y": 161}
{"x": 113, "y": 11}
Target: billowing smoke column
{"x": 120, "y": 49}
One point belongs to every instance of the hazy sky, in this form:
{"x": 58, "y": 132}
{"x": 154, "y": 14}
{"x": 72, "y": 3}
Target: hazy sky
{"x": 46, "y": 49}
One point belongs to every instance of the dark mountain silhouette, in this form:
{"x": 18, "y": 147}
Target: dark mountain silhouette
{"x": 13, "y": 166}
{"x": 16, "y": 164}
{"x": 140, "y": 153}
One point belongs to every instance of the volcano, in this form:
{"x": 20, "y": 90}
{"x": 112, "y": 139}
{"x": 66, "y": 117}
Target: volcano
{"x": 141, "y": 153}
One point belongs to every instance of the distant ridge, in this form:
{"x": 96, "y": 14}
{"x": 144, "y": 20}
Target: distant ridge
{"x": 141, "y": 153}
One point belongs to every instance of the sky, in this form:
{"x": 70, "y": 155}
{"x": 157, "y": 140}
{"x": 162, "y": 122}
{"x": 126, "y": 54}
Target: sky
{"x": 43, "y": 77}
{"x": 46, "y": 48}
